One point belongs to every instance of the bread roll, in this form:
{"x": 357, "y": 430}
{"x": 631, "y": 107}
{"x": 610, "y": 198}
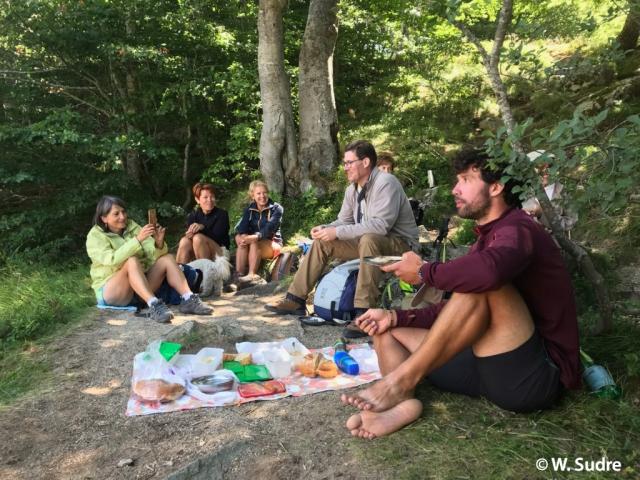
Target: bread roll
{"x": 314, "y": 364}
{"x": 156, "y": 390}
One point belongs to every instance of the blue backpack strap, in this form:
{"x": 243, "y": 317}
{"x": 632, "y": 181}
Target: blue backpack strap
{"x": 348, "y": 294}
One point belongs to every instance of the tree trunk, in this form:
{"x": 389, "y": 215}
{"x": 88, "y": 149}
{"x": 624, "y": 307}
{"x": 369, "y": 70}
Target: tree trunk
{"x": 278, "y": 144}
{"x": 133, "y": 163}
{"x": 491, "y": 63}
{"x": 628, "y": 37}
{"x": 319, "y": 149}
{"x": 185, "y": 170}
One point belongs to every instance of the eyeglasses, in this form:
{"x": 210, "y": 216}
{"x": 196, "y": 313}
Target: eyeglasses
{"x": 348, "y": 163}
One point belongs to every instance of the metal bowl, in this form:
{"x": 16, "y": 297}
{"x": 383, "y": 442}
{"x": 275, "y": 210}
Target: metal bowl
{"x": 213, "y": 383}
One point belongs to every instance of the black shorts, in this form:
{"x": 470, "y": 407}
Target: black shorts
{"x": 522, "y": 380}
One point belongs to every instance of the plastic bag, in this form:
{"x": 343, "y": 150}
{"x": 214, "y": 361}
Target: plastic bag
{"x": 218, "y": 398}
{"x": 292, "y": 346}
{"x": 155, "y": 379}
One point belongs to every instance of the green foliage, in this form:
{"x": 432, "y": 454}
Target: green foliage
{"x": 297, "y": 220}
{"x": 464, "y": 233}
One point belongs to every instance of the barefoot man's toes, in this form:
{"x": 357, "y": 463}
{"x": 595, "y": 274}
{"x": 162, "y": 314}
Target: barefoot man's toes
{"x": 379, "y": 397}
{"x": 377, "y": 424}
{"x": 355, "y": 401}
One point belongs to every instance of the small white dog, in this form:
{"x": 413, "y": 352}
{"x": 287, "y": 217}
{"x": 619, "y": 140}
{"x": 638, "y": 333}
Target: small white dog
{"x": 214, "y": 274}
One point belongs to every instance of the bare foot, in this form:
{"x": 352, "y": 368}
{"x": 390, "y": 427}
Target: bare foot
{"x": 370, "y": 425}
{"x": 379, "y": 397}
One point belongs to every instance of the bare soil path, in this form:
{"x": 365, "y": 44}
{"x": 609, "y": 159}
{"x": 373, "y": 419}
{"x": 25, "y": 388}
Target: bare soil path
{"x": 75, "y": 428}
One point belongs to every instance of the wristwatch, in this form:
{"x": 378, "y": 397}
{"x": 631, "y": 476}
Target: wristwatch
{"x": 420, "y": 276}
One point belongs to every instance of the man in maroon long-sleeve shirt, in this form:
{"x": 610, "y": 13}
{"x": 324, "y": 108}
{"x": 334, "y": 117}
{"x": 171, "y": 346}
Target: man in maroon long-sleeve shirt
{"x": 509, "y": 332}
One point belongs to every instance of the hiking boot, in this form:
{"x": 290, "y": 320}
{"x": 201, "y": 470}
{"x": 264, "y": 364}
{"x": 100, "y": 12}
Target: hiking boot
{"x": 159, "y": 312}
{"x": 286, "y": 306}
{"x": 194, "y": 306}
{"x": 352, "y": 331}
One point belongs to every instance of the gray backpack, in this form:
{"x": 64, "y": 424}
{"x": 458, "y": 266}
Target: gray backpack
{"x": 334, "y": 295}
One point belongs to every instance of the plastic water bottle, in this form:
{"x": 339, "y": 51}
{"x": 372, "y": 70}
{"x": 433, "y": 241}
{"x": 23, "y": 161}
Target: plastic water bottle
{"x": 343, "y": 360}
{"x": 598, "y": 379}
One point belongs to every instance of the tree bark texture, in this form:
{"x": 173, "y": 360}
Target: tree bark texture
{"x": 491, "y": 63}
{"x": 133, "y": 163}
{"x": 319, "y": 149}
{"x": 628, "y": 36}
{"x": 185, "y": 169}
{"x": 278, "y": 144}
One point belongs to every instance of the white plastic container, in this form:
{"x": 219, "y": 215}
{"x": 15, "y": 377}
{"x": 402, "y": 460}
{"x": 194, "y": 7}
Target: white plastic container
{"x": 206, "y": 362}
{"x": 278, "y": 361}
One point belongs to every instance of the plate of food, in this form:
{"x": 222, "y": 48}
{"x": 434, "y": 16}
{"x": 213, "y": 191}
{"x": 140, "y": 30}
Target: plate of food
{"x": 381, "y": 260}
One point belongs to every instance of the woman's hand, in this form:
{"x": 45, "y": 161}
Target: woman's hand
{"x": 195, "y": 228}
{"x": 145, "y": 232}
{"x": 159, "y": 236}
{"x": 376, "y": 321}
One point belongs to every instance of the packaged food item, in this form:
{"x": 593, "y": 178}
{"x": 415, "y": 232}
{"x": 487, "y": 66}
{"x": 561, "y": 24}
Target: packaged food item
{"x": 261, "y": 389}
{"x": 315, "y": 364}
{"x": 241, "y": 358}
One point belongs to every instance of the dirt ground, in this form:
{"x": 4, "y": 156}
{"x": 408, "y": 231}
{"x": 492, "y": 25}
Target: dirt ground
{"x": 76, "y": 427}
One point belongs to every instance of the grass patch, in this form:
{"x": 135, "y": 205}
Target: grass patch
{"x": 34, "y": 300}
{"x": 35, "y": 303}
{"x": 460, "y": 437}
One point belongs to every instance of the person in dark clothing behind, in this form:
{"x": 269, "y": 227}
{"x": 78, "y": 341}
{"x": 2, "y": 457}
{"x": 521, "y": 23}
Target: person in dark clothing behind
{"x": 258, "y": 234}
{"x": 207, "y": 234}
{"x": 509, "y": 333}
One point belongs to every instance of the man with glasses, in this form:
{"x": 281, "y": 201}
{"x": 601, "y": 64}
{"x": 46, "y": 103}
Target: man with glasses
{"x": 375, "y": 219}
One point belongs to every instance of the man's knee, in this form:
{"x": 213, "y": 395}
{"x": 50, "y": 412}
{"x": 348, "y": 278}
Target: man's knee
{"x": 382, "y": 340}
{"x": 371, "y": 243}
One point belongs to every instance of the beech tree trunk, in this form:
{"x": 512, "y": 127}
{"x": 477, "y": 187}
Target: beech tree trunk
{"x": 491, "y": 63}
{"x": 319, "y": 149}
{"x": 133, "y": 163}
{"x": 185, "y": 169}
{"x": 628, "y": 36}
{"x": 278, "y": 144}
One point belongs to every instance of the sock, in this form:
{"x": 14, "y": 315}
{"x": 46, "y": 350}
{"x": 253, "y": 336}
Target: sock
{"x": 153, "y": 300}
{"x": 186, "y": 296}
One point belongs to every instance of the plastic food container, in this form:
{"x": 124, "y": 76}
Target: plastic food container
{"x": 278, "y": 361}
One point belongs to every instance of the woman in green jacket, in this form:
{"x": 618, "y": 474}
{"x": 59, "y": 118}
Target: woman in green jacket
{"x": 127, "y": 258}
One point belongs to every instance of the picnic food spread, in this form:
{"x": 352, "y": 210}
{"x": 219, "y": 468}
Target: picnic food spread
{"x": 164, "y": 380}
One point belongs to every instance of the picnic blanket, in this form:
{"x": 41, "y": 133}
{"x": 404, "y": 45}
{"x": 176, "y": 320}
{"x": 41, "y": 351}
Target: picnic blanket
{"x": 296, "y": 384}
